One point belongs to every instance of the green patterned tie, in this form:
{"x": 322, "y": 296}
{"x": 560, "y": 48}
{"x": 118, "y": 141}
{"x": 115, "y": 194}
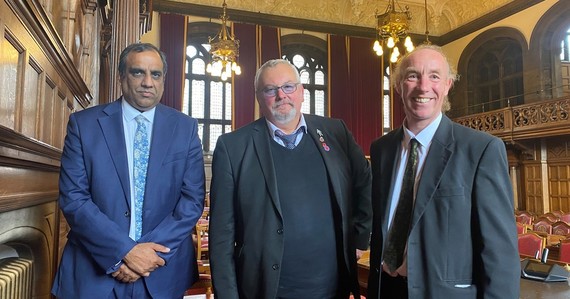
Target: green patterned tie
{"x": 398, "y": 235}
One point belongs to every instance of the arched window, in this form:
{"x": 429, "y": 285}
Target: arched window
{"x": 307, "y": 54}
{"x": 495, "y": 76}
{"x": 565, "y": 45}
{"x": 206, "y": 98}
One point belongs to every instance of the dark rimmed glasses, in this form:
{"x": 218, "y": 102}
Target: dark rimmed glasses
{"x": 287, "y": 88}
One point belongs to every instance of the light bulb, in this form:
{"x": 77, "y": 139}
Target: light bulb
{"x": 376, "y": 46}
{"x": 238, "y": 70}
{"x": 224, "y": 76}
{"x": 209, "y": 68}
{"x": 228, "y": 68}
{"x": 408, "y": 42}
{"x": 391, "y": 42}
{"x": 234, "y": 65}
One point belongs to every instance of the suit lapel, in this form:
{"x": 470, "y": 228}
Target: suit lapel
{"x": 115, "y": 139}
{"x": 164, "y": 126}
{"x": 435, "y": 164}
{"x": 388, "y": 165}
{"x": 263, "y": 151}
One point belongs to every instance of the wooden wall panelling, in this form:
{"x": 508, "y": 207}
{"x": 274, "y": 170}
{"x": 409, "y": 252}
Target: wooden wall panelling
{"x": 533, "y": 187}
{"x": 559, "y": 186}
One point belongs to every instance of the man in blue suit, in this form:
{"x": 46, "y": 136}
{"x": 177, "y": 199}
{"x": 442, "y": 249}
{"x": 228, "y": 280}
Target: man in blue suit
{"x": 109, "y": 253}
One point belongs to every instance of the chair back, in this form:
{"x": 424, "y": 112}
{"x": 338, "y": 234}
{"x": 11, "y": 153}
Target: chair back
{"x": 561, "y": 228}
{"x": 542, "y": 224}
{"x": 565, "y": 218}
{"x": 564, "y": 255}
{"x": 524, "y": 217}
{"x": 202, "y": 241}
{"x": 530, "y": 243}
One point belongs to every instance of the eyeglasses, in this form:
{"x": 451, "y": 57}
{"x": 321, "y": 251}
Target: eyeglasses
{"x": 286, "y": 88}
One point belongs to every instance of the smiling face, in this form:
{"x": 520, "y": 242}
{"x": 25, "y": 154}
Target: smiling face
{"x": 424, "y": 85}
{"x": 142, "y": 83}
{"x": 282, "y": 109}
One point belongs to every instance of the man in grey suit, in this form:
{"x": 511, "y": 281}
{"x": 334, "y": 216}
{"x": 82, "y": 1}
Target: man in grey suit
{"x": 462, "y": 239}
{"x": 287, "y": 217}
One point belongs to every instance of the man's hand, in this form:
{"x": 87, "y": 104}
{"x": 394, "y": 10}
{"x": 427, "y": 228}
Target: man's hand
{"x": 143, "y": 259}
{"x": 125, "y": 274}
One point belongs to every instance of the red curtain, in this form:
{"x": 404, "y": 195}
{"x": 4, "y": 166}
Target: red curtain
{"x": 257, "y": 45}
{"x": 355, "y": 93}
{"x": 173, "y": 44}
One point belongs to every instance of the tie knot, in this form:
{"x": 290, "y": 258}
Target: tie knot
{"x": 140, "y": 119}
{"x": 414, "y": 144}
{"x": 288, "y": 139}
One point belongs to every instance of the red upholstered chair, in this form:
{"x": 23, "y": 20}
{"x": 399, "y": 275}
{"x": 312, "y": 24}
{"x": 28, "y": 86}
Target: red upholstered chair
{"x": 561, "y": 228}
{"x": 558, "y": 213}
{"x": 530, "y": 243}
{"x": 565, "y": 218}
{"x": 542, "y": 224}
{"x": 564, "y": 255}
{"x": 522, "y": 228}
{"x": 524, "y": 217}
{"x": 550, "y": 216}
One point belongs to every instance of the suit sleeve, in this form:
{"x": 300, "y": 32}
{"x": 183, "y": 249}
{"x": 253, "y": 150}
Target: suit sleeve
{"x": 495, "y": 239}
{"x": 361, "y": 192}
{"x": 222, "y": 224}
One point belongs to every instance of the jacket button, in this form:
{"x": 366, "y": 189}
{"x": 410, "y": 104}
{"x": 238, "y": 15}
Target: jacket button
{"x": 275, "y": 266}
{"x": 280, "y": 231}
{"x": 127, "y": 213}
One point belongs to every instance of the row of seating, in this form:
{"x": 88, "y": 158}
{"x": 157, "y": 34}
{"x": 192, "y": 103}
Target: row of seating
{"x": 532, "y": 244}
{"x": 530, "y": 218}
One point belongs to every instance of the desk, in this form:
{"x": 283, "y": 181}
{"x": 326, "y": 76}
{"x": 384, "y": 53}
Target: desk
{"x": 530, "y": 289}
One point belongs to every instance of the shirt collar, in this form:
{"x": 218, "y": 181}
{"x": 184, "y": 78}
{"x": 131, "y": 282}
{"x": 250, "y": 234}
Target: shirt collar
{"x": 425, "y": 136}
{"x": 272, "y": 127}
{"x": 129, "y": 113}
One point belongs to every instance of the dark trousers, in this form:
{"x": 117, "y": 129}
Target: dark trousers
{"x": 393, "y": 287}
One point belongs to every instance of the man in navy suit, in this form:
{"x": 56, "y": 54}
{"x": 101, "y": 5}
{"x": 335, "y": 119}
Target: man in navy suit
{"x": 288, "y": 214}
{"x": 462, "y": 239}
{"x": 104, "y": 257}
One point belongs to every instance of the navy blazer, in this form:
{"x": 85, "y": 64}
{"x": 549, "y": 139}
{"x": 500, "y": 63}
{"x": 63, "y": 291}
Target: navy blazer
{"x": 246, "y": 236}
{"x": 463, "y": 238}
{"x": 95, "y": 199}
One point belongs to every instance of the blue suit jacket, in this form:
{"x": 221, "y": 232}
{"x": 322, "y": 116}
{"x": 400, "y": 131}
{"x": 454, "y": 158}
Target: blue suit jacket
{"x": 95, "y": 199}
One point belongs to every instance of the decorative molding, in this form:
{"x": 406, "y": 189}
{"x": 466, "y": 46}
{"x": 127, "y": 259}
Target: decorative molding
{"x": 17, "y": 150}
{"x": 41, "y": 28}
{"x": 536, "y": 120}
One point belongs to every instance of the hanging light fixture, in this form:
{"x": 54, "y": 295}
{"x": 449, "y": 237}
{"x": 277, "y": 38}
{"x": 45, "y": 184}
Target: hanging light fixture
{"x": 391, "y": 27}
{"x": 224, "y": 49}
{"x": 427, "y": 42}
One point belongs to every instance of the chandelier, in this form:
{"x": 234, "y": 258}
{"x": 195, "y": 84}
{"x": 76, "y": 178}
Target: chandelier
{"x": 391, "y": 27}
{"x": 224, "y": 49}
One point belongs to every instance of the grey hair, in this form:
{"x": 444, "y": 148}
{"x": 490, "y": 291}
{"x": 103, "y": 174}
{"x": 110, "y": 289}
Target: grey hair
{"x": 270, "y": 64}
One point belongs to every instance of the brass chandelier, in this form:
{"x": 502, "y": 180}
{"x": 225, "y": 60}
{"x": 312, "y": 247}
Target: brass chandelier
{"x": 224, "y": 49}
{"x": 391, "y": 27}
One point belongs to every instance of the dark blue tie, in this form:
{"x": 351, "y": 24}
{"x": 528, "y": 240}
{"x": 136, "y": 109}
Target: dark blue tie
{"x": 288, "y": 140}
{"x": 398, "y": 235}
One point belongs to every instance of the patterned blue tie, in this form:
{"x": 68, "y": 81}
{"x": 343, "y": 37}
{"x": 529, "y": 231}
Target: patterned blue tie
{"x": 141, "y": 152}
{"x": 288, "y": 140}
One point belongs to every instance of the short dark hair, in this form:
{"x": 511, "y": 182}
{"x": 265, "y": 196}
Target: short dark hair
{"x": 140, "y": 47}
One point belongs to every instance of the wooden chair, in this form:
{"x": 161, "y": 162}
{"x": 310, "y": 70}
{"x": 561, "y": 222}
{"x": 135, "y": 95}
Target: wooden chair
{"x": 530, "y": 243}
{"x": 524, "y": 217}
{"x": 202, "y": 241}
{"x": 564, "y": 255}
{"x": 558, "y": 213}
{"x": 542, "y": 224}
{"x": 522, "y": 228}
{"x": 550, "y": 216}
{"x": 204, "y": 283}
{"x": 560, "y": 228}
{"x": 565, "y": 218}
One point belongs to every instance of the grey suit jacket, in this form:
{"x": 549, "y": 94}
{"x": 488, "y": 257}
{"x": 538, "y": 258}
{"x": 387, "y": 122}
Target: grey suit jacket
{"x": 246, "y": 236}
{"x": 463, "y": 240}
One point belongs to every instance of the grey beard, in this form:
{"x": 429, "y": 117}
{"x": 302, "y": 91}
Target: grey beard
{"x": 284, "y": 118}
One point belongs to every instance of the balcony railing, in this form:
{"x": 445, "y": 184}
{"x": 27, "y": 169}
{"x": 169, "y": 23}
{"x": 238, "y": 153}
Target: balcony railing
{"x": 539, "y": 119}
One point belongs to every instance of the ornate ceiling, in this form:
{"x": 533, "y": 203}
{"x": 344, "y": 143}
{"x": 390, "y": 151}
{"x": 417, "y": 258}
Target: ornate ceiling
{"x": 444, "y": 15}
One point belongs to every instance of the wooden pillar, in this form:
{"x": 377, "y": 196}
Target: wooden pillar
{"x": 125, "y": 32}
